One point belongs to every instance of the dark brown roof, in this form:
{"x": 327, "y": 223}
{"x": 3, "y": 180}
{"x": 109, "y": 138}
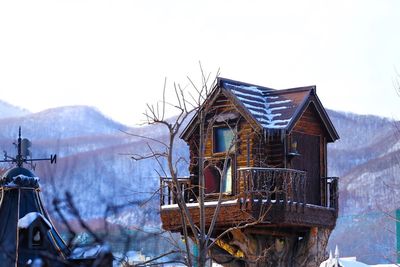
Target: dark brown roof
{"x": 274, "y": 110}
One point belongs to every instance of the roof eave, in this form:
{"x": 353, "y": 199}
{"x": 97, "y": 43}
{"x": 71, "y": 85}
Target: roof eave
{"x": 327, "y": 121}
{"x": 242, "y": 109}
{"x": 321, "y": 111}
{"x": 299, "y": 111}
{"x": 190, "y": 127}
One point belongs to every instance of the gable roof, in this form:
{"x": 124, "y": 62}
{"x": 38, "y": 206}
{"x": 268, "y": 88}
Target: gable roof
{"x": 273, "y": 110}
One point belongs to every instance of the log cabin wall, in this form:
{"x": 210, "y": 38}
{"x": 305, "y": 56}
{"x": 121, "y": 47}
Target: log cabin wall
{"x": 248, "y": 140}
{"x": 310, "y": 136}
{"x": 275, "y": 152}
{"x": 268, "y": 151}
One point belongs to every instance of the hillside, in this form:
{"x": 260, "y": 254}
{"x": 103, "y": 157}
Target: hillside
{"x": 8, "y": 110}
{"x": 61, "y": 123}
{"x": 94, "y": 164}
{"x": 367, "y": 160}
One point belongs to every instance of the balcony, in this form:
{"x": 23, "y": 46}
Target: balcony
{"x": 275, "y": 196}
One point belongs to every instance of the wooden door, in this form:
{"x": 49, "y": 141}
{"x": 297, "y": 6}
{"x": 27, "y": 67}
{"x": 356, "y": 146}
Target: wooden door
{"x": 308, "y": 146}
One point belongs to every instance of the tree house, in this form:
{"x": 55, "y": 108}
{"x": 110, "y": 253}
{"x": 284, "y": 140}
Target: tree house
{"x": 265, "y": 150}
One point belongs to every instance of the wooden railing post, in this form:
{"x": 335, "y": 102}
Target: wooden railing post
{"x": 161, "y": 191}
{"x": 331, "y": 197}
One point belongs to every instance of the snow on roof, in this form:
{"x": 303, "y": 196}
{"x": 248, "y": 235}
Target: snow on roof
{"x": 272, "y": 112}
{"x": 385, "y": 265}
{"x": 20, "y": 181}
{"x": 89, "y": 251}
{"x": 351, "y": 262}
{"x": 29, "y": 218}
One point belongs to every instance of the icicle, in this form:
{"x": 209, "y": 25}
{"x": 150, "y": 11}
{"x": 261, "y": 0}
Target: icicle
{"x": 265, "y": 135}
{"x": 330, "y": 260}
{"x": 282, "y": 135}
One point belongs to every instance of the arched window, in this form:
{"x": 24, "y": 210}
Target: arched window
{"x": 212, "y": 177}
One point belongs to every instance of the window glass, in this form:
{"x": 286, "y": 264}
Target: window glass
{"x": 223, "y": 137}
{"x": 227, "y": 185}
{"x": 37, "y": 237}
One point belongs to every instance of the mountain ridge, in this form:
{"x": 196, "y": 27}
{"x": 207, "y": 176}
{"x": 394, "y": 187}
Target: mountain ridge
{"x": 8, "y": 110}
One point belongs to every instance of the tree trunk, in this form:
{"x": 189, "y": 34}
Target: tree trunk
{"x": 308, "y": 250}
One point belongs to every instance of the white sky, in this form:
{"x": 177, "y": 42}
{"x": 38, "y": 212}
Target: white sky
{"x": 114, "y": 55}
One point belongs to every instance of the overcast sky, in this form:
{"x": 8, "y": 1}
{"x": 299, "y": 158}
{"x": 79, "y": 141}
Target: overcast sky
{"x": 114, "y": 55}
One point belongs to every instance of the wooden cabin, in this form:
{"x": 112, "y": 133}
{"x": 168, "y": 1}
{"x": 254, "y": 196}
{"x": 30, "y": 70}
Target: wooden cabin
{"x": 273, "y": 144}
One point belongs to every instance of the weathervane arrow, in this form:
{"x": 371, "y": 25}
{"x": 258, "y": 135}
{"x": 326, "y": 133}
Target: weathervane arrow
{"x": 23, "y": 153}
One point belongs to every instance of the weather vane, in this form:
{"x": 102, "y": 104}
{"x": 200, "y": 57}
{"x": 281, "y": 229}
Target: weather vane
{"x": 23, "y": 146}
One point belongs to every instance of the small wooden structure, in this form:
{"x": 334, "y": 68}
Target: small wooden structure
{"x": 266, "y": 151}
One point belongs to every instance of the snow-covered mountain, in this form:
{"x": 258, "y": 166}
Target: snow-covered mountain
{"x": 61, "y": 123}
{"x": 8, "y": 110}
{"x": 367, "y": 160}
{"x": 94, "y": 164}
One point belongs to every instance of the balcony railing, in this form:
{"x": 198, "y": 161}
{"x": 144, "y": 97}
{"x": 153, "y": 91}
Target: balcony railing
{"x": 277, "y": 186}
{"x": 166, "y": 190}
{"x": 272, "y": 185}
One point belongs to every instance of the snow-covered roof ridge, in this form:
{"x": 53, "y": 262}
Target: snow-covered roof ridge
{"x": 266, "y": 109}
{"x": 29, "y": 218}
{"x": 20, "y": 181}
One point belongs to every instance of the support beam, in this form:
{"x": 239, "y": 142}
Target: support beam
{"x": 236, "y": 252}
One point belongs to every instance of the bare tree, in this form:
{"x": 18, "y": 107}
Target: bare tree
{"x": 187, "y": 103}
{"x": 190, "y": 103}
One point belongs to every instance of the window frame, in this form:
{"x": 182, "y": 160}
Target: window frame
{"x": 214, "y": 139}
{"x": 232, "y": 167}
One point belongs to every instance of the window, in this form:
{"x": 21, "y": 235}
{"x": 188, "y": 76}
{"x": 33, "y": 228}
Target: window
{"x": 212, "y": 177}
{"x": 227, "y": 185}
{"x": 223, "y": 139}
{"x": 37, "y": 239}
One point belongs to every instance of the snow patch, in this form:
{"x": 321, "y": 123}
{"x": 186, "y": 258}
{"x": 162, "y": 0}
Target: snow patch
{"x": 206, "y": 204}
{"x": 20, "y": 181}
{"x": 89, "y": 251}
{"x": 261, "y": 106}
{"x": 29, "y": 218}
{"x": 246, "y": 87}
